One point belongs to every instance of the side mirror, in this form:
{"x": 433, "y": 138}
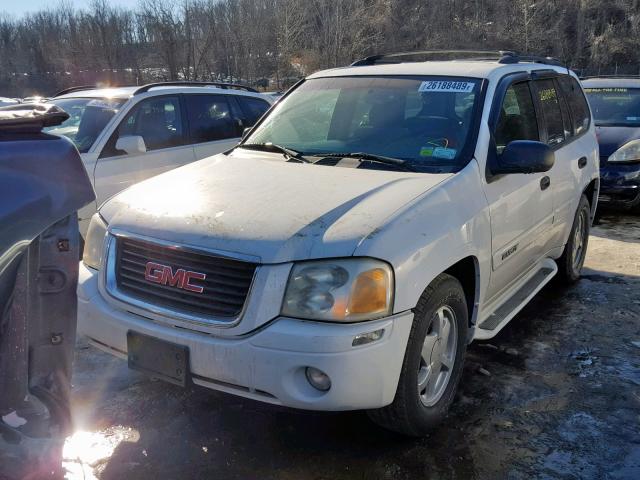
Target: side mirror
{"x": 245, "y": 132}
{"x": 524, "y": 156}
{"x": 132, "y": 144}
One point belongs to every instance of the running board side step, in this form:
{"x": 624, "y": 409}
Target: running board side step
{"x": 505, "y": 312}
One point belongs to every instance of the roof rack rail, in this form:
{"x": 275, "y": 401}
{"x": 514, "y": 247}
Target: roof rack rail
{"x": 589, "y": 77}
{"x": 388, "y": 57}
{"x": 501, "y": 56}
{"x": 74, "y": 89}
{"x": 234, "y": 86}
{"x": 539, "y": 59}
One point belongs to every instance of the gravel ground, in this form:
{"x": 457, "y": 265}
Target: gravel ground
{"x": 555, "y": 395}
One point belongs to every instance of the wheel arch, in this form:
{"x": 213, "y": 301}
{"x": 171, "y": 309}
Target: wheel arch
{"x": 467, "y": 272}
{"x": 591, "y": 192}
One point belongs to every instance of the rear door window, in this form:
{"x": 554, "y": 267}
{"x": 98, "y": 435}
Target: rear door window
{"x": 580, "y": 114}
{"x": 252, "y": 108}
{"x": 566, "y": 114}
{"x": 211, "y": 118}
{"x": 550, "y": 103}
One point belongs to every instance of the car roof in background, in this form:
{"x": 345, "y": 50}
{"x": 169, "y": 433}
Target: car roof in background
{"x": 126, "y": 92}
{"x": 455, "y": 68}
{"x": 611, "y": 82}
{"x": 118, "y": 92}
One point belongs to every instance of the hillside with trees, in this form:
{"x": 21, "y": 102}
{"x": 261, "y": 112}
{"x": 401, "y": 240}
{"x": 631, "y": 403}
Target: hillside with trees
{"x": 270, "y": 43}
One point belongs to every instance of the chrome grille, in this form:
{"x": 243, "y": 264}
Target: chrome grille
{"x": 225, "y": 287}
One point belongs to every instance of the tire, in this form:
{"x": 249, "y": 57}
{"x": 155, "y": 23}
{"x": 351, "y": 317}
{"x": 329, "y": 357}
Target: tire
{"x": 572, "y": 259}
{"x": 415, "y": 413}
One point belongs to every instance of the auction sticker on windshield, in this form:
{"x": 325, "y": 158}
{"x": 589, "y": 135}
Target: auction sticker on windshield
{"x": 447, "y": 153}
{"x": 438, "y": 152}
{"x": 446, "y": 86}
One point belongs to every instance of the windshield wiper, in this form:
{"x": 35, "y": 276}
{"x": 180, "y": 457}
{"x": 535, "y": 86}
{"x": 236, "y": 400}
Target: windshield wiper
{"x": 371, "y": 157}
{"x": 289, "y": 153}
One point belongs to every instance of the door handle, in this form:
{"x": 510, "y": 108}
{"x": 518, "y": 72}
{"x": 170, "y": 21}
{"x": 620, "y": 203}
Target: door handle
{"x": 544, "y": 183}
{"x": 582, "y": 162}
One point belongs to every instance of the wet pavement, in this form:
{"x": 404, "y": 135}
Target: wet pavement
{"x": 555, "y": 395}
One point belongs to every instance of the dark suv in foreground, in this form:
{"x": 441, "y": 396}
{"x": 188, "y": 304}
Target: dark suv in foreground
{"x": 615, "y": 102}
{"x": 42, "y": 185}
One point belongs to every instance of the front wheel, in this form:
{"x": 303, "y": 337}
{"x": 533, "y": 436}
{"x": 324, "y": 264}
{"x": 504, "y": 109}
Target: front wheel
{"x": 572, "y": 259}
{"x": 432, "y": 363}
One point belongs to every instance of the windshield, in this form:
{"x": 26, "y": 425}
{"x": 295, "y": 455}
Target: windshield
{"x": 615, "y": 106}
{"x": 422, "y": 120}
{"x": 87, "y": 118}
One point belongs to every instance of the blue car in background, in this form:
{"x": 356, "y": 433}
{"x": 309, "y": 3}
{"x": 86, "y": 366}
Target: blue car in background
{"x": 615, "y": 103}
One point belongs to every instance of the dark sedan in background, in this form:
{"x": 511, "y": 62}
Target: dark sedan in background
{"x": 615, "y": 102}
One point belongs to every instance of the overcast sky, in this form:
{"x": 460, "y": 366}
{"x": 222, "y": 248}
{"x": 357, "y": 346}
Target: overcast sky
{"x": 19, "y": 7}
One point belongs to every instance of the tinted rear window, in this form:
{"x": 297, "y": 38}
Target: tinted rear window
{"x": 548, "y": 97}
{"x": 580, "y": 114}
{"x": 211, "y": 118}
{"x": 253, "y": 109}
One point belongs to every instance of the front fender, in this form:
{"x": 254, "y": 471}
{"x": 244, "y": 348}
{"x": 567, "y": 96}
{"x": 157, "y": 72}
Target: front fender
{"x": 433, "y": 232}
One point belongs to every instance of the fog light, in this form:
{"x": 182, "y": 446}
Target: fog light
{"x": 364, "y": 338}
{"x": 318, "y": 379}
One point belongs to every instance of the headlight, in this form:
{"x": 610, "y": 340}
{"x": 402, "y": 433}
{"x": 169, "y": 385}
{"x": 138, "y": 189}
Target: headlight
{"x": 629, "y": 152}
{"x": 347, "y": 290}
{"x": 93, "y": 243}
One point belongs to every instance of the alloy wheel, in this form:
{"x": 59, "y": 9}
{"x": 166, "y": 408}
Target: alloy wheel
{"x": 438, "y": 356}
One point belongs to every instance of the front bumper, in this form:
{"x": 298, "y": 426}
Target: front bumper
{"x": 269, "y": 363}
{"x": 620, "y": 185}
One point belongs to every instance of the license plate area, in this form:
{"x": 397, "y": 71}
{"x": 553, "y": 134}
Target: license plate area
{"x": 158, "y": 358}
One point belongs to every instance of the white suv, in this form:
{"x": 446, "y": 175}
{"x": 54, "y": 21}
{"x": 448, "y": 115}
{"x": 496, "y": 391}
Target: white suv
{"x": 129, "y": 134}
{"x": 376, "y": 221}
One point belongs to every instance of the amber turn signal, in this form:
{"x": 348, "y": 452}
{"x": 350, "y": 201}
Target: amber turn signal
{"x": 370, "y": 292}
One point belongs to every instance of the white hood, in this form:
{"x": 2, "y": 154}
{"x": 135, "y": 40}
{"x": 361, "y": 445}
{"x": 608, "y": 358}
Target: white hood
{"x": 256, "y": 204}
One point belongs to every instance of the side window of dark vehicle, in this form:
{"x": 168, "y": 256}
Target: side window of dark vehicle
{"x": 517, "y": 119}
{"x": 550, "y": 102}
{"x": 157, "y": 120}
{"x": 580, "y": 113}
{"x": 253, "y": 109}
{"x": 210, "y": 118}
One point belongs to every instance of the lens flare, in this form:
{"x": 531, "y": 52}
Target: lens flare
{"x": 84, "y": 451}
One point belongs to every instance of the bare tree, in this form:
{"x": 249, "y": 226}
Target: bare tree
{"x": 275, "y": 41}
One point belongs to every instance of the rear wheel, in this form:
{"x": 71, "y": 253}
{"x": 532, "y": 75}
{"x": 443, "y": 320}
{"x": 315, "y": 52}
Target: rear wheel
{"x": 571, "y": 262}
{"x": 433, "y": 361}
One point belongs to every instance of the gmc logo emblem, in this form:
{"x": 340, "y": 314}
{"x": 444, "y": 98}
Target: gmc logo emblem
{"x": 164, "y": 275}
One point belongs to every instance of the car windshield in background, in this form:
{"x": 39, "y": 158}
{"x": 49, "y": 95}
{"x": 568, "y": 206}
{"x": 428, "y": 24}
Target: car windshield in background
{"x": 87, "y": 118}
{"x": 615, "y": 106}
{"x": 424, "y": 121}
